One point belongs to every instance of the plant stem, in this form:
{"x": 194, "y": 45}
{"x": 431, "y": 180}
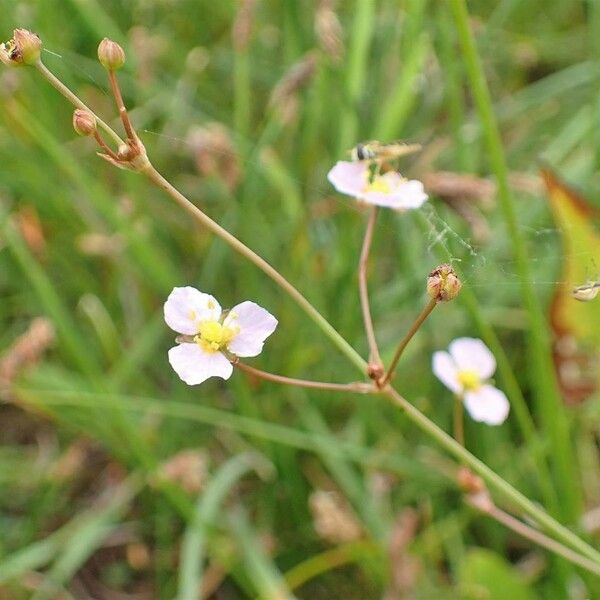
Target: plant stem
{"x": 73, "y": 99}
{"x": 116, "y": 90}
{"x": 157, "y": 179}
{"x": 353, "y": 387}
{"x": 491, "y": 478}
{"x": 549, "y": 403}
{"x": 409, "y": 335}
{"x": 374, "y": 355}
{"x": 105, "y": 146}
{"x": 459, "y": 420}
{"x": 534, "y": 535}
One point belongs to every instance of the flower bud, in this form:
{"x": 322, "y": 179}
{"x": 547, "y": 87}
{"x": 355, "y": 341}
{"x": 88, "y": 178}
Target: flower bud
{"x": 443, "y": 284}
{"x": 468, "y": 482}
{"x": 24, "y": 48}
{"x": 111, "y": 55}
{"x": 84, "y": 122}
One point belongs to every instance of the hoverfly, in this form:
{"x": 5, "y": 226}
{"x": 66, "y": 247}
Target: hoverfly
{"x": 378, "y": 151}
{"x": 586, "y": 292}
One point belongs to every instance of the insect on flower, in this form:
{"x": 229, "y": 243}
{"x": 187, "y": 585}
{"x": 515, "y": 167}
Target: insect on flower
{"x": 466, "y": 370}
{"x": 378, "y": 151}
{"x": 388, "y": 189}
{"x": 212, "y": 338}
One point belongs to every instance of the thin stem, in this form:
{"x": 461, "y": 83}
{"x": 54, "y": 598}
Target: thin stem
{"x": 374, "y": 355}
{"x": 105, "y": 146}
{"x": 157, "y": 179}
{"x": 354, "y": 387}
{"x": 116, "y": 90}
{"x": 459, "y": 421}
{"x": 493, "y": 480}
{"x": 409, "y": 335}
{"x": 74, "y": 100}
{"x": 534, "y": 535}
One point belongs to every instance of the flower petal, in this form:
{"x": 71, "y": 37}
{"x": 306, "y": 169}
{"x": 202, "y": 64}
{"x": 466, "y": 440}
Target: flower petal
{"x": 194, "y": 365}
{"x": 348, "y": 177}
{"x": 488, "y": 404}
{"x": 402, "y": 195}
{"x": 254, "y": 325}
{"x": 186, "y": 307}
{"x": 471, "y": 354}
{"x": 445, "y": 370}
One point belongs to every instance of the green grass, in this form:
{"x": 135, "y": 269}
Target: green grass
{"x": 409, "y": 71}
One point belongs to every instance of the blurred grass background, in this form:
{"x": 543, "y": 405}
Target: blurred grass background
{"x": 104, "y": 451}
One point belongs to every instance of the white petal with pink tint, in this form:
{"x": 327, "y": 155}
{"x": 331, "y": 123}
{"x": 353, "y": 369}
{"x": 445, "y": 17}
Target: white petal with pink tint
{"x": 253, "y": 324}
{"x": 194, "y": 365}
{"x": 348, "y": 177}
{"x": 186, "y": 307}
{"x": 390, "y": 189}
{"x": 471, "y": 354}
{"x": 488, "y": 405}
{"x": 445, "y": 370}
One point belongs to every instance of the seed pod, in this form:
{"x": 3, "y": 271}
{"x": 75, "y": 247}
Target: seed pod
{"x": 443, "y": 284}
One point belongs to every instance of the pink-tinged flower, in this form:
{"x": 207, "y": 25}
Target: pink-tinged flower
{"x": 388, "y": 189}
{"x": 466, "y": 369}
{"x": 212, "y": 337}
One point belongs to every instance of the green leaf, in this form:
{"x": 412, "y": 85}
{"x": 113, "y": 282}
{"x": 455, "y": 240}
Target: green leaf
{"x": 485, "y": 575}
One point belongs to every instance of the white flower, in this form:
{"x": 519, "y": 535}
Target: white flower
{"x": 465, "y": 370}
{"x": 389, "y": 189}
{"x": 211, "y": 335}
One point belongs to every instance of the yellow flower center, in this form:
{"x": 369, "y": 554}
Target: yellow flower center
{"x": 469, "y": 380}
{"x": 379, "y": 184}
{"x": 213, "y": 336}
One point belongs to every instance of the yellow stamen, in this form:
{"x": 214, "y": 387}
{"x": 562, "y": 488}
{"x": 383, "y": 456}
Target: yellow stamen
{"x": 213, "y": 336}
{"x": 469, "y": 380}
{"x": 378, "y": 185}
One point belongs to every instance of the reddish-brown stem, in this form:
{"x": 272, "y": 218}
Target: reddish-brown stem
{"x": 105, "y": 146}
{"x": 354, "y": 387}
{"x": 374, "y": 356}
{"x": 409, "y": 335}
{"x": 116, "y": 90}
{"x": 487, "y": 507}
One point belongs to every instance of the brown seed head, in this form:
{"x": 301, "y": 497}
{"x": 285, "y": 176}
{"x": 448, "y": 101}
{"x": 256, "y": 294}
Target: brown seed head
{"x": 111, "y": 55}
{"x": 443, "y": 284}
{"x": 84, "y": 122}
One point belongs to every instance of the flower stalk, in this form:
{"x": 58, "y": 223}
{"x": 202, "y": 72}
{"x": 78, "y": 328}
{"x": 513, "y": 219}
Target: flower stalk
{"x": 374, "y": 356}
{"x": 406, "y": 339}
{"x": 353, "y": 387}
